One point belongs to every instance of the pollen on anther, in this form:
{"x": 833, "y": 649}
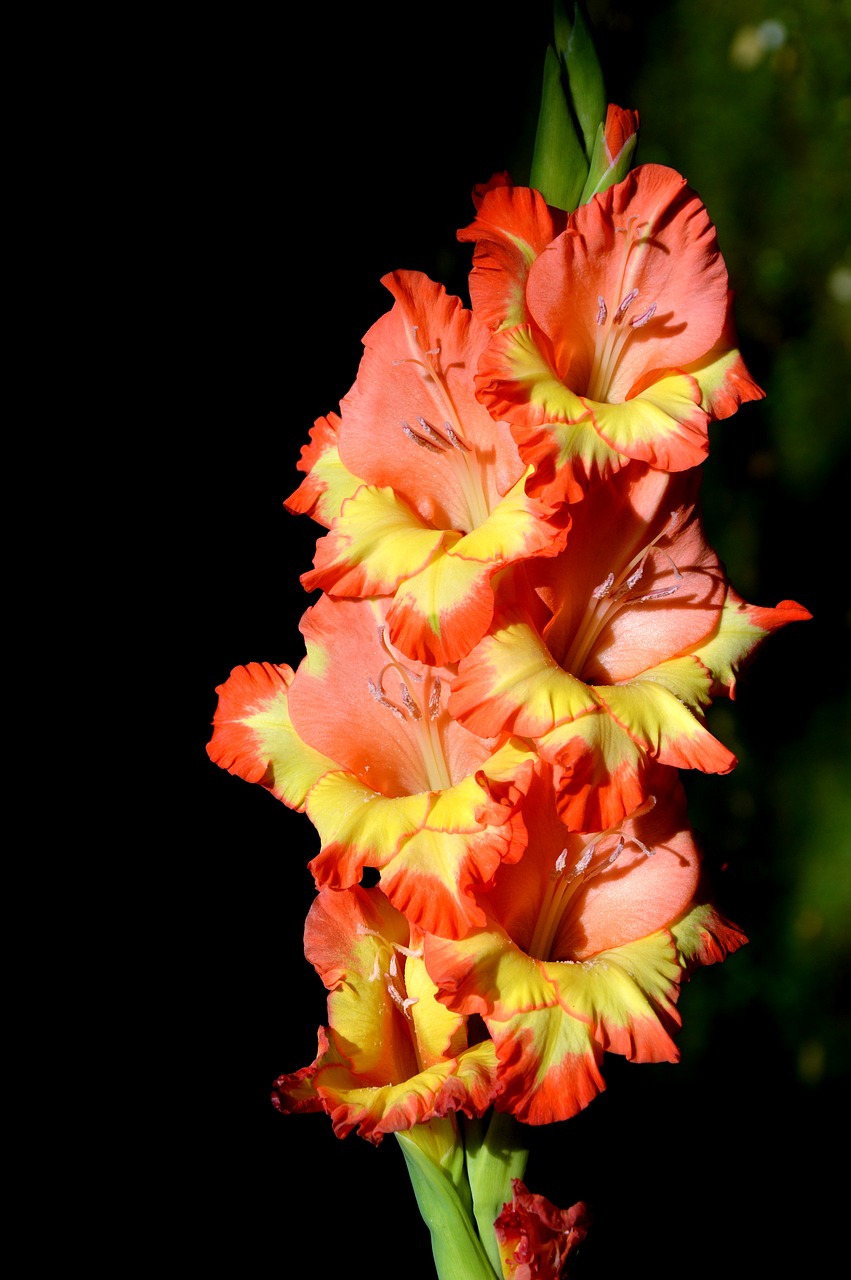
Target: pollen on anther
{"x": 641, "y": 320}
{"x": 602, "y": 312}
{"x": 626, "y": 303}
{"x": 409, "y": 704}
{"x": 417, "y": 439}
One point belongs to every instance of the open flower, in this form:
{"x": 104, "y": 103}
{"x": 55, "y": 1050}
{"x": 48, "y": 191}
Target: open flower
{"x": 361, "y": 739}
{"x": 441, "y": 507}
{"x": 535, "y": 1237}
{"x": 391, "y": 1057}
{"x": 623, "y": 346}
{"x": 629, "y": 634}
{"x": 587, "y": 942}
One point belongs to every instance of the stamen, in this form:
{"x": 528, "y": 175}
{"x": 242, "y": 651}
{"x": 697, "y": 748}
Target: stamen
{"x": 641, "y": 320}
{"x": 601, "y": 309}
{"x": 434, "y": 699}
{"x": 661, "y": 592}
{"x": 634, "y": 577}
{"x": 453, "y": 439}
{"x": 585, "y": 859}
{"x": 565, "y": 882}
{"x": 422, "y": 441}
{"x": 625, "y": 304}
{"x": 409, "y": 703}
{"x": 615, "y": 590}
{"x": 403, "y": 1003}
{"x": 428, "y": 430}
{"x": 604, "y": 588}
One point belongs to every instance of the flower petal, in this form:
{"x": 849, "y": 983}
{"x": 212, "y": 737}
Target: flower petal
{"x": 327, "y": 483}
{"x": 512, "y": 226}
{"x": 254, "y": 738}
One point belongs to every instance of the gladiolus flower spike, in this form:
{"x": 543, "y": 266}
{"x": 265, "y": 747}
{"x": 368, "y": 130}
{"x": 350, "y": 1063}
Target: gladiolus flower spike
{"x": 519, "y": 629}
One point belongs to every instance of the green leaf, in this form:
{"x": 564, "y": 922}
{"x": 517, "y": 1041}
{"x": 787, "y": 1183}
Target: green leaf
{"x": 495, "y": 1156}
{"x": 458, "y": 1251}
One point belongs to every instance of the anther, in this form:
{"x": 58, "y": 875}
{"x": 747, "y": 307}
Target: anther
{"x": 585, "y": 859}
{"x": 644, "y": 317}
{"x": 604, "y": 588}
{"x": 423, "y": 443}
{"x": 453, "y": 439}
{"x": 434, "y": 699}
{"x": 626, "y": 303}
{"x": 409, "y": 703}
{"x": 601, "y": 309}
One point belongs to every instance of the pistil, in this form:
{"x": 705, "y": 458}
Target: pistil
{"x": 422, "y": 715}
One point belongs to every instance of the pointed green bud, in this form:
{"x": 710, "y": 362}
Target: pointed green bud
{"x": 614, "y": 151}
{"x": 575, "y": 46}
{"x": 559, "y": 165}
{"x": 573, "y": 109}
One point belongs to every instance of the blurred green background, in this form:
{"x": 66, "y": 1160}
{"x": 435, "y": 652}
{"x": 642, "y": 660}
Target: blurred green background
{"x": 291, "y": 197}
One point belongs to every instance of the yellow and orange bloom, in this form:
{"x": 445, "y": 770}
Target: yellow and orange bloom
{"x": 441, "y": 505}
{"x": 361, "y": 740}
{"x": 617, "y": 342}
{"x": 392, "y": 1057}
{"x": 610, "y": 660}
{"x": 588, "y": 940}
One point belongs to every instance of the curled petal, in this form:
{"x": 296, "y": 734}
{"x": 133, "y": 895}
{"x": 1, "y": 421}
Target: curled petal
{"x": 535, "y": 1238}
{"x": 327, "y": 483}
{"x": 512, "y": 226}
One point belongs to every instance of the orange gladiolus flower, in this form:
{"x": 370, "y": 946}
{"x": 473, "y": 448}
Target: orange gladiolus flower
{"x": 432, "y": 488}
{"x": 361, "y": 739}
{"x": 617, "y": 341}
{"x": 391, "y": 1057}
{"x": 587, "y": 942}
{"x": 609, "y": 662}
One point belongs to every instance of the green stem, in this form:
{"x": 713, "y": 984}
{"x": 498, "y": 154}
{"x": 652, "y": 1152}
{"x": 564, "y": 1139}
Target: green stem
{"x": 457, "y": 1249}
{"x": 495, "y": 1155}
